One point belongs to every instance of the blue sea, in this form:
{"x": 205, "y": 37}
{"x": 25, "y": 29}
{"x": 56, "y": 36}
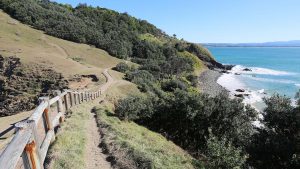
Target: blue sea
{"x": 274, "y": 69}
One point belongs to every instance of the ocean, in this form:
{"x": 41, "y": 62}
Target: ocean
{"x": 273, "y": 70}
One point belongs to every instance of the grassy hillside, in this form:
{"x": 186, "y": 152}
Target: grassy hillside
{"x": 128, "y": 144}
{"x": 134, "y": 146}
{"x": 118, "y": 33}
{"x": 34, "y": 47}
{"x": 38, "y": 52}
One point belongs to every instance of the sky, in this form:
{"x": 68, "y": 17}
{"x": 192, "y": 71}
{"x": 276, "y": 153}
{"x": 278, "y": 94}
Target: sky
{"x": 214, "y": 21}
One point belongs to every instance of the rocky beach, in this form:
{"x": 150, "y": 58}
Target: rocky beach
{"x": 208, "y": 82}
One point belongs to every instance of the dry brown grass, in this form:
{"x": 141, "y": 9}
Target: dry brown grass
{"x": 35, "y": 47}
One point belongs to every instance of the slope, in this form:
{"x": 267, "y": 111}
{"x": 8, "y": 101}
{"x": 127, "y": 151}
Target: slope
{"x": 75, "y": 63}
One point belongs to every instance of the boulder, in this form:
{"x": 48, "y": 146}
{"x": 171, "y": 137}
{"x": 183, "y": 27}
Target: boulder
{"x": 224, "y": 71}
{"x": 240, "y": 90}
{"x": 239, "y": 95}
{"x": 247, "y": 69}
{"x": 228, "y": 67}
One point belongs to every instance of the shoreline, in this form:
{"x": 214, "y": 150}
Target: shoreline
{"x": 208, "y": 82}
{"x": 214, "y": 82}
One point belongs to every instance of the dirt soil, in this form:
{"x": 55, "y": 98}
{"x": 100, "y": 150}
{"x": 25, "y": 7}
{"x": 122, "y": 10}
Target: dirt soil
{"x": 21, "y": 85}
{"x": 95, "y": 158}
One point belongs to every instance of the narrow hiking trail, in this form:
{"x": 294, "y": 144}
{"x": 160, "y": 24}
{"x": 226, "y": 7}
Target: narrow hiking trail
{"x": 94, "y": 158}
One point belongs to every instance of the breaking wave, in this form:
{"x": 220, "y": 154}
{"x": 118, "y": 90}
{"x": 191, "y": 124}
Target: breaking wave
{"x": 258, "y": 70}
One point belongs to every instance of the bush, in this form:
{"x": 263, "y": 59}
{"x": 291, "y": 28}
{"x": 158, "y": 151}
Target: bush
{"x": 193, "y": 79}
{"x": 172, "y": 85}
{"x": 133, "y": 108}
{"x": 122, "y": 67}
{"x": 186, "y": 117}
{"x": 222, "y": 154}
{"x": 276, "y": 145}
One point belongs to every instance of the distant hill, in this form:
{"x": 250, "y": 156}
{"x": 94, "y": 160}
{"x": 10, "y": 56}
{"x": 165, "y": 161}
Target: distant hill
{"x": 292, "y": 43}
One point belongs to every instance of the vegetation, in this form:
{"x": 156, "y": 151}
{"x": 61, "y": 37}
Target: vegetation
{"x": 128, "y": 141}
{"x": 119, "y": 34}
{"x": 20, "y": 85}
{"x": 217, "y": 130}
{"x": 122, "y": 67}
{"x": 277, "y": 144}
{"x": 68, "y": 150}
{"x": 222, "y": 154}
{"x": 188, "y": 118}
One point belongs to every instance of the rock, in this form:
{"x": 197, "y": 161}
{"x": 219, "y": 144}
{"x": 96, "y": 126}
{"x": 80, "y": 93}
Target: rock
{"x": 228, "y": 67}
{"x": 239, "y": 95}
{"x": 240, "y": 90}
{"x": 246, "y": 94}
{"x": 247, "y": 69}
{"x": 224, "y": 71}
{"x": 237, "y": 73}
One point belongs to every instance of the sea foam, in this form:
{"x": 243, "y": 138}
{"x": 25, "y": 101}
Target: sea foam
{"x": 284, "y": 81}
{"x": 230, "y": 82}
{"x": 259, "y": 70}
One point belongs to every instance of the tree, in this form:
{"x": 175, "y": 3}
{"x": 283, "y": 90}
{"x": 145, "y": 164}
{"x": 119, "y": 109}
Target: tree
{"x": 122, "y": 67}
{"x": 275, "y": 145}
{"x": 222, "y": 154}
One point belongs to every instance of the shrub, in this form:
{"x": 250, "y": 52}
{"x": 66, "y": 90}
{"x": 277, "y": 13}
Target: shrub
{"x": 133, "y": 108}
{"x": 122, "y": 67}
{"x": 277, "y": 144}
{"x": 193, "y": 79}
{"x": 222, "y": 154}
{"x": 172, "y": 85}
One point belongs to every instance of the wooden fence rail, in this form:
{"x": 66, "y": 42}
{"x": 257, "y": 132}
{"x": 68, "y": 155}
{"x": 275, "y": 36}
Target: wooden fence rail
{"x": 33, "y": 136}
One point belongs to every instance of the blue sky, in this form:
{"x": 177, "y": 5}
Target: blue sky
{"x": 229, "y": 21}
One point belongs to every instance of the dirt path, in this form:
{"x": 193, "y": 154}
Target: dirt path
{"x": 61, "y": 49}
{"x": 95, "y": 159}
{"x": 109, "y": 80}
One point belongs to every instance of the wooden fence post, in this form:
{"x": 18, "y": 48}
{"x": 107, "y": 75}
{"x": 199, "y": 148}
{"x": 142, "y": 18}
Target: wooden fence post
{"x": 32, "y": 149}
{"x": 75, "y": 98}
{"x": 59, "y": 101}
{"x": 71, "y": 99}
{"x": 79, "y": 98}
{"x": 32, "y": 153}
{"x": 46, "y": 113}
{"x": 60, "y": 106}
{"x": 66, "y": 100}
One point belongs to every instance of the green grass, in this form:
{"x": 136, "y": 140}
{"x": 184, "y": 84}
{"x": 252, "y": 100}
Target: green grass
{"x": 151, "y": 38}
{"x": 68, "y": 150}
{"x": 199, "y": 66}
{"x": 146, "y": 148}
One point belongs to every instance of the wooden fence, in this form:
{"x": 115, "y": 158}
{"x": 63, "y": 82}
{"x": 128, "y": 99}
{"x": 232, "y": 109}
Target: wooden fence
{"x": 29, "y": 146}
